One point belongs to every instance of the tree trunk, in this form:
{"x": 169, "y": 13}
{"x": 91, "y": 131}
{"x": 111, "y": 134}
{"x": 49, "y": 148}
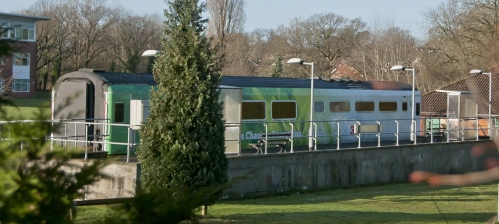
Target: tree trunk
{"x": 204, "y": 210}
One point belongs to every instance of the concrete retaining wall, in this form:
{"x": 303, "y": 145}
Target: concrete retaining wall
{"x": 121, "y": 182}
{"x": 271, "y": 173}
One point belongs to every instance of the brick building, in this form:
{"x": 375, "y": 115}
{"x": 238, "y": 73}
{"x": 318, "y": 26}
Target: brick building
{"x": 18, "y": 72}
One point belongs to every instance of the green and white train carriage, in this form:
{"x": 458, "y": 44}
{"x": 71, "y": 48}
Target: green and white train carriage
{"x": 280, "y": 102}
{"x": 250, "y": 102}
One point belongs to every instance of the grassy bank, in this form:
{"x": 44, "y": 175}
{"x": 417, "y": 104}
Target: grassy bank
{"x": 29, "y": 108}
{"x": 394, "y": 203}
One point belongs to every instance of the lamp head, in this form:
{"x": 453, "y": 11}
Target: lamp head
{"x": 397, "y": 68}
{"x": 476, "y": 71}
{"x": 296, "y": 61}
{"x": 150, "y": 53}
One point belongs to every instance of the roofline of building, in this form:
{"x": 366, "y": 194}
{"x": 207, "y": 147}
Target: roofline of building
{"x": 454, "y": 91}
{"x": 24, "y": 16}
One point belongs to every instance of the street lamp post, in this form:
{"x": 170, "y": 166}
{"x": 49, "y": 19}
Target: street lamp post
{"x": 302, "y": 62}
{"x": 477, "y": 71}
{"x": 413, "y": 125}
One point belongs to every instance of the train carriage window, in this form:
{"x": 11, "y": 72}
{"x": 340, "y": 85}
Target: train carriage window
{"x": 404, "y": 106}
{"x": 364, "y": 106}
{"x": 418, "y": 109}
{"x": 319, "y": 107}
{"x": 283, "y": 110}
{"x": 388, "y": 106}
{"x": 252, "y": 110}
{"x": 119, "y": 112}
{"x": 339, "y": 106}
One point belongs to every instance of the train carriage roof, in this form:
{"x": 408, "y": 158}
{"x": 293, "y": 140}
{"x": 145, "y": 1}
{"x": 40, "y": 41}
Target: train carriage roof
{"x": 117, "y": 78}
{"x": 126, "y": 78}
{"x": 319, "y": 83}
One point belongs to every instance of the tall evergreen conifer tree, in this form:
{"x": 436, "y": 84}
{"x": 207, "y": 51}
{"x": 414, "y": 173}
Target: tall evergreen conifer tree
{"x": 182, "y": 141}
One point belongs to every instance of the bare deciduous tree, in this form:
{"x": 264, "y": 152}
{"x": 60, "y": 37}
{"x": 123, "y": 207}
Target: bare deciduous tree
{"x": 227, "y": 18}
{"x": 238, "y": 58}
{"x": 225, "y": 25}
{"x": 324, "y": 38}
{"x": 130, "y": 36}
{"x": 382, "y": 48}
{"x": 90, "y": 20}
{"x": 463, "y": 35}
{"x": 90, "y": 33}
{"x": 53, "y": 37}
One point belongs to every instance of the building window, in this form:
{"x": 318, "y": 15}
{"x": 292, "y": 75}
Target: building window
{"x": 2, "y": 82}
{"x": 388, "y": 106}
{"x": 364, "y": 106}
{"x": 24, "y": 34}
{"x": 339, "y": 106}
{"x": 4, "y": 31}
{"x": 283, "y": 110}
{"x": 18, "y": 31}
{"x": 2, "y": 61}
{"x": 252, "y": 110}
{"x": 20, "y": 85}
{"x": 119, "y": 112}
{"x": 21, "y": 59}
{"x": 31, "y": 34}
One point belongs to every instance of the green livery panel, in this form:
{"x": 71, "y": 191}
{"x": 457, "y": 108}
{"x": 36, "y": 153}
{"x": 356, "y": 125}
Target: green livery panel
{"x": 118, "y": 112}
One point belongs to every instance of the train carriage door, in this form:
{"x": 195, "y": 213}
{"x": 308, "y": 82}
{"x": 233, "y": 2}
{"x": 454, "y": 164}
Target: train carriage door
{"x": 117, "y": 114}
{"x": 71, "y": 100}
{"x": 231, "y": 97}
{"x": 74, "y": 99}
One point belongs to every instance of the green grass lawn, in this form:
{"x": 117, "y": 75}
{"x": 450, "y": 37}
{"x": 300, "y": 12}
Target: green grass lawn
{"x": 28, "y": 108}
{"x": 41, "y": 99}
{"x": 394, "y": 203}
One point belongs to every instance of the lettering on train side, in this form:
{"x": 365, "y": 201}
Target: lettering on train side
{"x": 251, "y": 136}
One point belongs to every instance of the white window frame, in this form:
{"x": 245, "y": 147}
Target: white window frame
{"x": 23, "y": 85}
{"x": 25, "y": 31}
{"x": 4, "y": 32}
{"x": 22, "y": 59}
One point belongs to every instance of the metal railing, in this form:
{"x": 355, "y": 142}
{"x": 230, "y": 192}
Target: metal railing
{"x": 95, "y": 135}
{"x": 453, "y": 129}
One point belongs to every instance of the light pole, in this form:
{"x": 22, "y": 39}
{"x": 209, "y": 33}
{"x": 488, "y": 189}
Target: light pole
{"x": 477, "y": 71}
{"x": 302, "y": 62}
{"x": 413, "y": 125}
{"x": 150, "y": 53}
